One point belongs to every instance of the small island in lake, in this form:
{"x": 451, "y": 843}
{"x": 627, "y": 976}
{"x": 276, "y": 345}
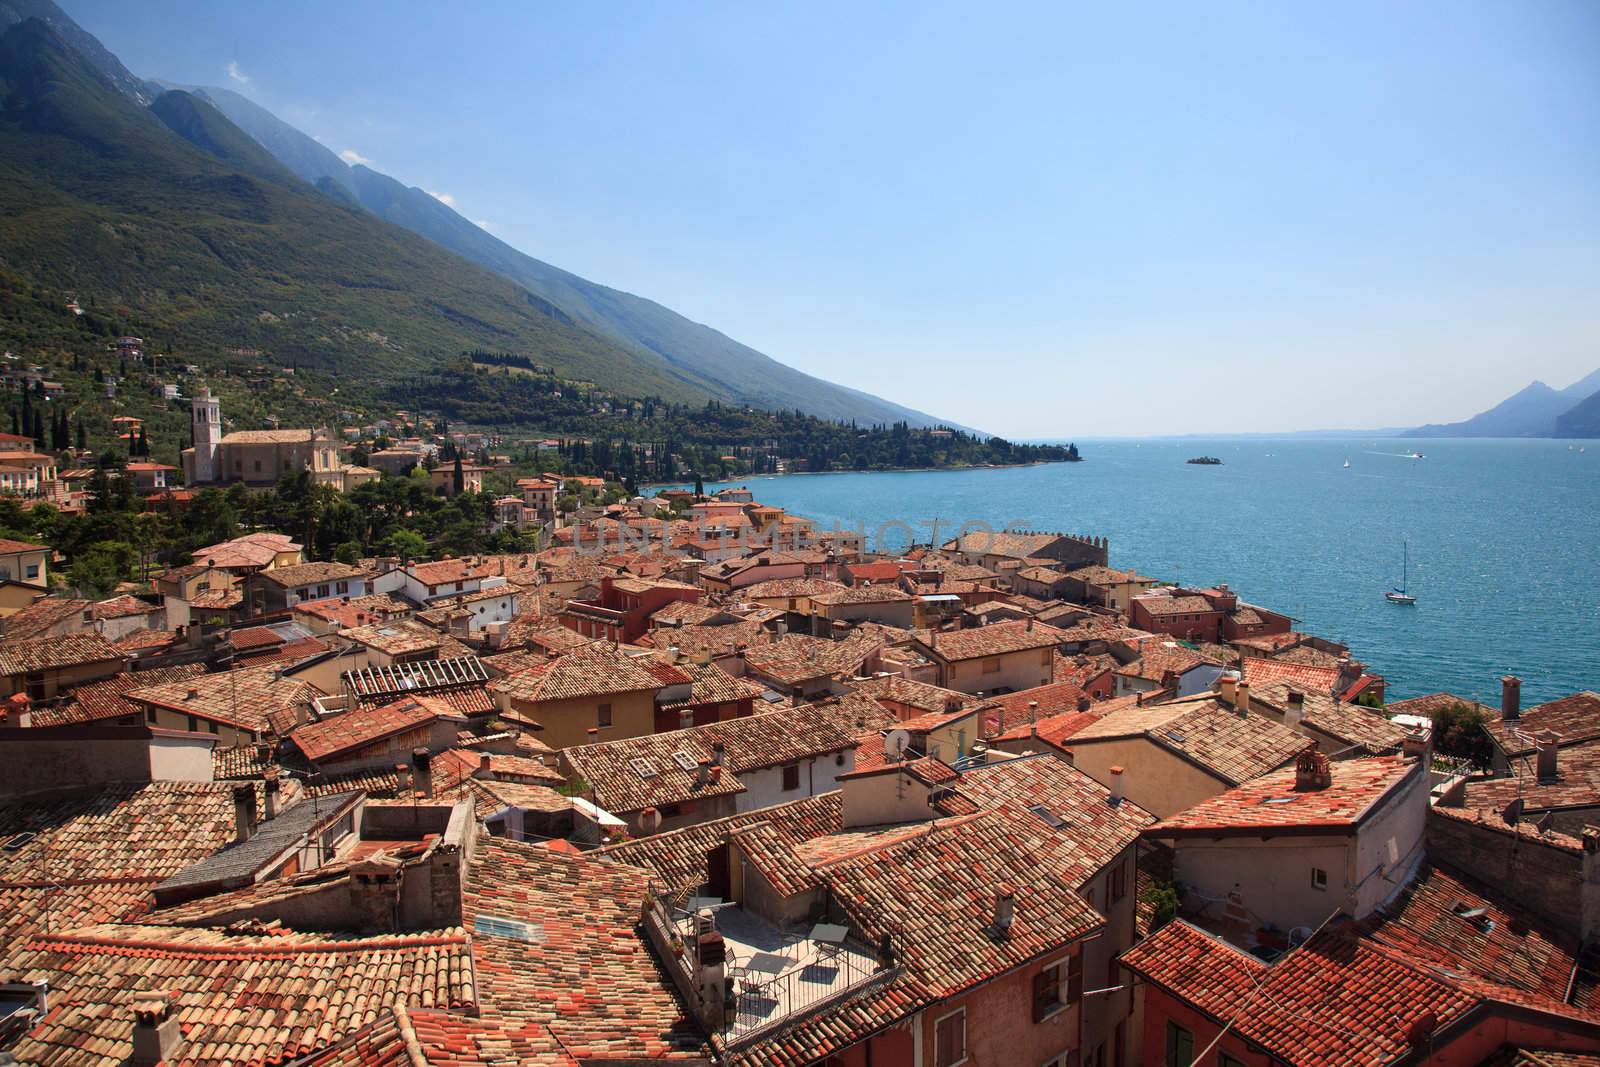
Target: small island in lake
{"x": 1206, "y": 461}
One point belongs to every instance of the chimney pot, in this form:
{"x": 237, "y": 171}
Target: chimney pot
{"x": 1549, "y": 744}
{"x": 1116, "y": 785}
{"x": 1294, "y": 709}
{"x": 1510, "y": 698}
{"x": 272, "y": 788}
{"x": 1241, "y": 697}
{"x": 1415, "y": 745}
{"x": 1312, "y": 771}
{"x": 156, "y": 1033}
{"x": 1005, "y": 911}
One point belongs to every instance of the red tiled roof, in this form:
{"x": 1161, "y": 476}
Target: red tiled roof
{"x": 1300, "y": 675}
{"x": 994, "y": 640}
{"x": 239, "y": 998}
{"x": 53, "y": 653}
{"x": 1573, "y": 718}
{"x": 350, "y": 731}
{"x": 1271, "y": 801}
{"x": 104, "y": 700}
{"x": 589, "y": 977}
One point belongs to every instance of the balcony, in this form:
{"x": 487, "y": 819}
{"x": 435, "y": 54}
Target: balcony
{"x": 774, "y": 977}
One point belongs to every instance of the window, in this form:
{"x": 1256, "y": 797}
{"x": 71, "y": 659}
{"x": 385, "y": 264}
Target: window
{"x": 30, "y": 571}
{"x": 950, "y": 1040}
{"x": 1319, "y": 878}
{"x": 194, "y": 725}
{"x": 341, "y": 588}
{"x": 604, "y": 715}
{"x": 1180, "y": 1046}
{"x": 991, "y": 665}
{"x": 258, "y": 466}
{"x": 150, "y": 715}
{"x": 791, "y": 778}
{"x": 1119, "y": 882}
{"x": 211, "y": 725}
{"x": 1049, "y": 990}
{"x": 1075, "y": 979}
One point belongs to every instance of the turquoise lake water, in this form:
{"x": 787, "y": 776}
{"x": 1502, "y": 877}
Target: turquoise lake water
{"x": 1504, "y": 539}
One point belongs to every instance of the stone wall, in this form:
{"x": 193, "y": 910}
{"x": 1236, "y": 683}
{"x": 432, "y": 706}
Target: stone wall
{"x": 1540, "y": 873}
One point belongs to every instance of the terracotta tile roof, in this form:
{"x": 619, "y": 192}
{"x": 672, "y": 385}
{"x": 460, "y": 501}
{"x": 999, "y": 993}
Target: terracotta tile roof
{"x": 1337, "y": 1000}
{"x": 54, "y": 653}
{"x": 1162, "y": 605}
{"x": 347, "y": 733}
{"x": 240, "y": 998}
{"x": 712, "y": 640}
{"x": 144, "y": 640}
{"x": 1157, "y": 660}
{"x": 864, "y": 594}
{"x": 351, "y": 612}
{"x": 251, "y": 550}
{"x": 913, "y": 694}
{"x": 1426, "y": 706}
{"x": 683, "y": 612}
{"x": 590, "y": 978}
{"x": 595, "y": 670}
{"x": 1015, "y": 545}
{"x": 1051, "y": 729}
{"x": 1271, "y": 801}
{"x": 995, "y": 640}
{"x": 426, "y": 1038}
{"x": 244, "y": 697}
{"x": 1573, "y": 718}
{"x": 1575, "y": 785}
{"x": 395, "y": 638}
{"x": 105, "y": 700}
{"x": 796, "y": 658}
{"x": 1300, "y": 675}
{"x": 311, "y": 574}
{"x": 7, "y": 545}
{"x": 1351, "y": 724}
{"x": 713, "y": 685}
{"x": 677, "y": 858}
{"x": 96, "y": 854}
{"x": 124, "y": 607}
{"x": 1425, "y": 924}
{"x": 783, "y": 588}
{"x": 1205, "y": 732}
{"x": 254, "y": 637}
{"x": 1102, "y": 831}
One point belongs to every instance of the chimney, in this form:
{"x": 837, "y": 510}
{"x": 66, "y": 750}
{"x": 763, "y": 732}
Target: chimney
{"x": 685, "y": 718}
{"x": 1241, "y": 697}
{"x": 1415, "y": 745}
{"x": 1311, "y": 771}
{"x": 1294, "y": 709}
{"x": 1033, "y": 717}
{"x": 1005, "y": 911}
{"x": 485, "y": 765}
{"x": 1225, "y": 686}
{"x": 156, "y": 1034}
{"x": 710, "y": 974}
{"x": 717, "y": 751}
{"x": 375, "y": 893}
{"x": 244, "y": 813}
{"x": 422, "y": 761}
{"x": 1116, "y": 785}
{"x": 272, "y": 787}
{"x": 1511, "y": 698}
{"x": 1548, "y": 744}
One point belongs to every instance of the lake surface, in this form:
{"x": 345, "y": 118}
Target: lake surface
{"x": 1504, "y": 540}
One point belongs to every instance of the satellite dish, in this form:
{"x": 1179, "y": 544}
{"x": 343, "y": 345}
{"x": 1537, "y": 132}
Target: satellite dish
{"x": 650, "y": 820}
{"x": 895, "y": 743}
{"x": 1546, "y": 821}
{"x": 1512, "y": 812}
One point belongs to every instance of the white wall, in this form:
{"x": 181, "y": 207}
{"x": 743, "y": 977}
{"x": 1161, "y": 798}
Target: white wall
{"x": 764, "y": 788}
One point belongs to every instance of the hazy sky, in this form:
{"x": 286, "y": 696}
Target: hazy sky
{"x": 1040, "y": 219}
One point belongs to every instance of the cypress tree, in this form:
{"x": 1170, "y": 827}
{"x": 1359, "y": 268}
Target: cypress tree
{"x": 83, "y": 439}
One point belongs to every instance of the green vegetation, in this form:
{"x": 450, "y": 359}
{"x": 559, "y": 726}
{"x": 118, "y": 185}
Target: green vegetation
{"x": 636, "y": 439}
{"x": 1163, "y": 897}
{"x": 1458, "y": 730}
{"x": 208, "y": 245}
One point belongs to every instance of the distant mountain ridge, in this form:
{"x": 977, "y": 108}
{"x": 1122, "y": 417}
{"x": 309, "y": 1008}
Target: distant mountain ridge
{"x": 1537, "y": 410}
{"x": 743, "y": 374}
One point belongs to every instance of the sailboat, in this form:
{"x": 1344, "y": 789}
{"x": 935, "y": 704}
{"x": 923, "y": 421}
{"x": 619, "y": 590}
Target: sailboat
{"x": 1400, "y": 596}
{"x": 1346, "y": 464}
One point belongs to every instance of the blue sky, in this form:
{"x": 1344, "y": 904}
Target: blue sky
{"x": 1042, "y": 219}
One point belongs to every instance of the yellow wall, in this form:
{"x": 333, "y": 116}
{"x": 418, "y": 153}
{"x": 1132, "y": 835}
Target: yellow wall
{"x": 1027, "y": 669}
{"x": 567, "y": 722}
{"x": 1153, "y": 778}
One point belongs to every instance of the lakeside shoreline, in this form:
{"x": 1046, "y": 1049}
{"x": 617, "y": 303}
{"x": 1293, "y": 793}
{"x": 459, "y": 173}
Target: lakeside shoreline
{"x": 884, "y": 470}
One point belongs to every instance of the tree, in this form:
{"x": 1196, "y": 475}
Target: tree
{"x": 1458, "y": 730}
{"x": 83, "y": 439}
{"x": 458, "y": 478}
{"x": 407, "y": 544}
{"x": 699, "y": 486}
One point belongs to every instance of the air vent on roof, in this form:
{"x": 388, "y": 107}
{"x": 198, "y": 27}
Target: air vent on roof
{"x": 15, "y": 843}
{"x": 684, "y": 760}
{"x": 516, "y": 929}
{"x": 1050, "y": 817}
{"x": 643, "y": 768}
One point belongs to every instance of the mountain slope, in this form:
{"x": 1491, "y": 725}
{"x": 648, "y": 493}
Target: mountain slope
{"x": 99, "y": 198}
{"x": 734, "y": 372}
{"x": 1530, "y": 412}
{"x": 1581, "y": 420}
{"x": 81, "y": 41}
{"x": 203, "y": 126}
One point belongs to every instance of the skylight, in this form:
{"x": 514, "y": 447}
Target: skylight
{"x": 1050, "y": 817}
{"x": 515, "y": 929}
{"x": 15, "y": 843}
{"x": 684, "y": 760}
{"x": 644, "y": 768}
